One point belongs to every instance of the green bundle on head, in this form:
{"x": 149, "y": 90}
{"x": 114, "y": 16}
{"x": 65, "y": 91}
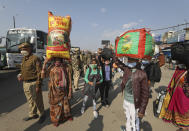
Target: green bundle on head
{"x": 135, "y": 44}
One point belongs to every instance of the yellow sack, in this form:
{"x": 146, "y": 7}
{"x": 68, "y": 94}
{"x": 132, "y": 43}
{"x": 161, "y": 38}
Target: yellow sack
{"x": 58, "y": 41}
{"x": 165, "y": 105}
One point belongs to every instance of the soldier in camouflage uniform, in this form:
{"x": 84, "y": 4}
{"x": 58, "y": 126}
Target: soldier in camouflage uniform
{"x": 76, "y": 68}
{"x": 86, "y": 60}
{"x": 82, "y": 54}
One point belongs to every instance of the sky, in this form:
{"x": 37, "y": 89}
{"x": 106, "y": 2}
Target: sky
{"x": 94, "y": 20}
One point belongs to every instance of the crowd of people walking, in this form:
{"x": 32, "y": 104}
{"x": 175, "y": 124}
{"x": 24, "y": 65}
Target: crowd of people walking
{"x": 97, "y": 71}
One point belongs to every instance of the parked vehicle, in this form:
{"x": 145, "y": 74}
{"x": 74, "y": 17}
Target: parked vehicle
{"x": 37, "y": 38}
{"x": 3, "y": 61}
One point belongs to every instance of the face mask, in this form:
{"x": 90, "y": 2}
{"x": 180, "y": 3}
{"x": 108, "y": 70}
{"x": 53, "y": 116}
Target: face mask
{"x": 131, "y": 65}
{"x": 142, "y": 67}
{"x": 93, "y": 66}
{"x": 24, "y": 53}
{"x": 145, "y": 62}
{"x": 181, "y": 66}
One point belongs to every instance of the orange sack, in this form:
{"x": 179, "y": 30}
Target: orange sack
{"x": 58, "y": 41}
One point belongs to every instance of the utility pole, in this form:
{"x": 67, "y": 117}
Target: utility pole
{"x": 14, "y": 22}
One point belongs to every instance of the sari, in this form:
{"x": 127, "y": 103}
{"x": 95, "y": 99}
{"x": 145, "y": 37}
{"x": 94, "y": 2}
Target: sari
{"x": 58, "y": 94}
{"x": 175, "y": 108}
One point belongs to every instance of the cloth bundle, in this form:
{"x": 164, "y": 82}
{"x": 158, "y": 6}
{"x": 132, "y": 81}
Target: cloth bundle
{"x": 135, "y": 44}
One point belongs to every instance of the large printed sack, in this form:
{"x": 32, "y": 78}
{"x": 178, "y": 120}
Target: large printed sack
{"x": 135, "y": 44}
{"x": 58, "y": 36}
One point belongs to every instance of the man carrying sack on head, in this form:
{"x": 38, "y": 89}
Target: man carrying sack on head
{"x": 136, "y": 93}
{"x": 136, "y": 45}
{"x": 30, "y": 75}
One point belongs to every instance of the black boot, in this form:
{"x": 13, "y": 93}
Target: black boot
{"x": 103, "y": 103}
{"x": 42, "y": 119}
{"x": 30, "y": 118}
{"x": 107, "y": 103}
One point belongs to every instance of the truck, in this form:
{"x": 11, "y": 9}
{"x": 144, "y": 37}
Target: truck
{"x": 13, "y": 39}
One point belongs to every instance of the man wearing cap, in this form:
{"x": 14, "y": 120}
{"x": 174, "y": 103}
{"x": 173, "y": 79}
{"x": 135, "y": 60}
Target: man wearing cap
{"x": 30, "y": 75}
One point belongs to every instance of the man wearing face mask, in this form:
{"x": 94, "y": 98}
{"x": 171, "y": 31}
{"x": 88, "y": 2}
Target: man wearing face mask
{"x": 30, "y": 75}
{"x": 136, "y": 92}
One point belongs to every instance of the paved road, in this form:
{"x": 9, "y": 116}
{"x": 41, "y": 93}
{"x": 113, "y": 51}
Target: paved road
{"x": 13, "y": 108}
{"x": 11, "y": 94}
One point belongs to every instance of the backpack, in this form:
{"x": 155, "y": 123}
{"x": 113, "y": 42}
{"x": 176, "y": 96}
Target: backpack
{"x": 155, "y": 72}
{"x": 180, "y": 52}
{"x": 97, "y": 76}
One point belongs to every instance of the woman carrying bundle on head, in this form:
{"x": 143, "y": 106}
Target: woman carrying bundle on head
{"x": 175, "y": 108}
{"x": 60, "y": 90}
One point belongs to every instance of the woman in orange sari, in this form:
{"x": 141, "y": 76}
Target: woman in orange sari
{"x": 59, "y": 94}
{"x": 177, "y": 111}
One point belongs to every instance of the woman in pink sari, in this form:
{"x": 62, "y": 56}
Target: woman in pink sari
{"x": 177, "y": 111}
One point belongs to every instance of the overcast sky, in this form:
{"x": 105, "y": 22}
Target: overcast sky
{"x": 94, "y": 20}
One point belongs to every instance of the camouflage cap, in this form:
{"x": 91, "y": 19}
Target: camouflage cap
{"x": 24, "y": 45}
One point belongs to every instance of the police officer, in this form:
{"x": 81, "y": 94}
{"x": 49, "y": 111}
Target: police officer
{"x": 30, "y": 75}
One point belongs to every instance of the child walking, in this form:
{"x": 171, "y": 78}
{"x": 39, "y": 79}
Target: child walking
{"x": 93, "y": 79}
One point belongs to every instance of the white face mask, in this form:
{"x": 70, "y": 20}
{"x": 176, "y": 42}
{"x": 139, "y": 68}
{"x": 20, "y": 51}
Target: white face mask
{"x": 24, "y": 53}
{"x": 181, "y": 66}
{"x": 145, "y": 62}
{"x": 131, "y": 65}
